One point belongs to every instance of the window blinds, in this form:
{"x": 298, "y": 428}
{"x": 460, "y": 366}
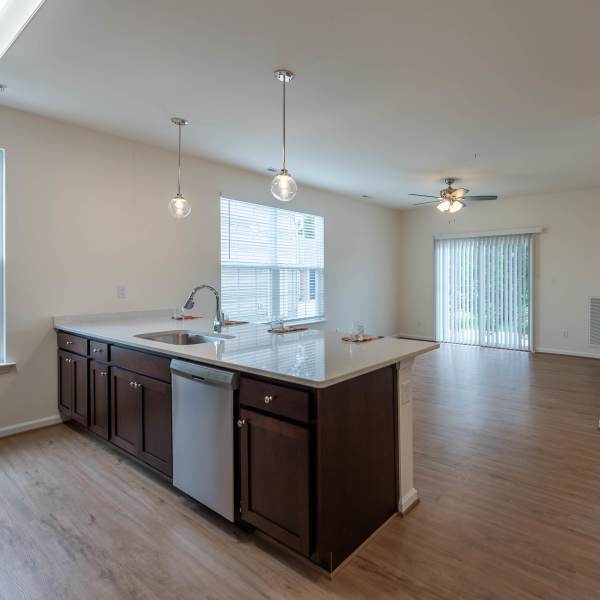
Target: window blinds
{"x": 483, "y": 291}
{"x": 272, "y": 263}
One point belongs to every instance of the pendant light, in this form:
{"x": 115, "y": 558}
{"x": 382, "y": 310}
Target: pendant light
{"x": 283, "y": 186}
{"x": 179, "y": 207}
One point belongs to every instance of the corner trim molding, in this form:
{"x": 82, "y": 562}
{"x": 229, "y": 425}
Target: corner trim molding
{"x": 408, "y": 501}
{"x": 29, "y": 425}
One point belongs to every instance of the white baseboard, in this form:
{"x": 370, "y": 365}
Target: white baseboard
{"x": 29, "y": 425}
{"x": 408, "y": 336}
{"x": 568, "y": 353}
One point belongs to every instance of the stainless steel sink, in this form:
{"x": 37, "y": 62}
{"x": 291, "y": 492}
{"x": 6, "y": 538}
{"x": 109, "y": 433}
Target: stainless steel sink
{"x": 184, "y": 338}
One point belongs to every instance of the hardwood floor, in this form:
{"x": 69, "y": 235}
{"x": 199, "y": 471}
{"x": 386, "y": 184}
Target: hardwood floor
{"x": 507, "y": 467}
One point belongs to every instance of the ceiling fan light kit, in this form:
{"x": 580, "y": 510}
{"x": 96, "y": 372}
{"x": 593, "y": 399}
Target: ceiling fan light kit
{"x": 451, "y": 200}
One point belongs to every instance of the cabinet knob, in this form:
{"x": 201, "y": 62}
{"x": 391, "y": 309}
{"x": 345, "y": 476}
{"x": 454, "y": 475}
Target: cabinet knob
{"x": 103, "y": 373}
{"x": 69, "y": 342}
{"x": 135, "y": 384}
{"x": 241, "y": 422}
{"x": 94, "y": 350}
{"x": 268, "y": 399}
{"x": 68, "y": 360}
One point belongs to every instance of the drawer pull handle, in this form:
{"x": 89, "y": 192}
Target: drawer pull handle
{"x": 69, "y": 342}
{"x": 135, "y": 384}
{"x": 268, "y": 399}
{"x": 103, "y": 373}
{"x": 68, "y": 360}
{"x": 241, "y": 422}
{"x": 94, "y": 350}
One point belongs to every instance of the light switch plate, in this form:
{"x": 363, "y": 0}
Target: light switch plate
{"x": 121, "y": 292}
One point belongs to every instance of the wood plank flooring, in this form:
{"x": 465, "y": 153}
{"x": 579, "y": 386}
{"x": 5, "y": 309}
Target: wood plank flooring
{"x": 507, "y": 467}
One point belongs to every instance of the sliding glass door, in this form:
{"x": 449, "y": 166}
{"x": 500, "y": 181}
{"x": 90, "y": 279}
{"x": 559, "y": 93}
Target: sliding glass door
{"x": 483, "y": 291}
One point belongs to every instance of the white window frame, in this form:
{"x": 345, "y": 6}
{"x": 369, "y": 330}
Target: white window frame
{"x": 4, "y": 363}
{"x": 532, "y": 274}
{"x": 275, "y": 296}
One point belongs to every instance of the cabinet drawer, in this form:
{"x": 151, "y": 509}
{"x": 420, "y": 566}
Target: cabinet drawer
{"x": 72, "y": 343}
{"x": 99, "y": 351}
{"x": 275, "y": 399}
{"x": 150, "y": 365}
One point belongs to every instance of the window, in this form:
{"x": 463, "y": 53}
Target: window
{"x": 483, "y": 291}
{"x": 272, "y": 263}
{"x": 2, "y": 293}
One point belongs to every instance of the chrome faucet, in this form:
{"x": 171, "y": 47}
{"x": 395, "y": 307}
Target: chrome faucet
{"x": 219, "y": 320}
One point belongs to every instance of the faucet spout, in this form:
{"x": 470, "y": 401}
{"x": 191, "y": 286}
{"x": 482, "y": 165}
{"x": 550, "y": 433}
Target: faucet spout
{"x": 219, "y": 320}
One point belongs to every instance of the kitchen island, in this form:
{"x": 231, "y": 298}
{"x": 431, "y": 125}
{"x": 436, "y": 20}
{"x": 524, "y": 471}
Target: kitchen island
{"x": 323, "y": 446}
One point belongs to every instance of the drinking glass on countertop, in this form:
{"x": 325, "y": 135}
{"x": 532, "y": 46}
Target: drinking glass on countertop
{"x": 276, "y": 323}
{"x": 358, "y": 331}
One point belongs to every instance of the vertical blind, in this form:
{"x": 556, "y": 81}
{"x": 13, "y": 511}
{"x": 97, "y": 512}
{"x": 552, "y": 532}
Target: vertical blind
{"x": 272, "y": 263}
{"x": 483, "y": 291}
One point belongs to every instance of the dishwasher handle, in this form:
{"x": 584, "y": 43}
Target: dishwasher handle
{"x": 205, "y": 374}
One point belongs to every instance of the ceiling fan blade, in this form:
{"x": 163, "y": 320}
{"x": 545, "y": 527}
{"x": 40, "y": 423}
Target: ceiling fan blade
{"x": 481, "y": 197}
{"x": 430, "y": 202}
{"x": 423, "y": 195}
{"x": 459, "y": 193}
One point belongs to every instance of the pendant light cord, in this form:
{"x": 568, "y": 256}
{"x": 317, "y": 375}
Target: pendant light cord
{"x": 284, "y": 123}
{"x": 179, "y": 164}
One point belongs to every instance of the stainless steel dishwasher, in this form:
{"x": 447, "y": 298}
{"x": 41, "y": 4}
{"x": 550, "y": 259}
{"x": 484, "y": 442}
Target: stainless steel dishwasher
{"x": 203, "y": 434}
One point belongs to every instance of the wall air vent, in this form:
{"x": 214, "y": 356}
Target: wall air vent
{"x": 595, "y": 321}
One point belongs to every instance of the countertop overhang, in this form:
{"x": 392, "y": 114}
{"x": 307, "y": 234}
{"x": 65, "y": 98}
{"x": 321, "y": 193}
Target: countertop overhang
{"x": 313, "y": 358}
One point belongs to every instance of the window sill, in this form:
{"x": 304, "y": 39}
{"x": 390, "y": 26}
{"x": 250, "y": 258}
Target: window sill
{"x": 7, "y": 366}
{"x": 307, "y": 321}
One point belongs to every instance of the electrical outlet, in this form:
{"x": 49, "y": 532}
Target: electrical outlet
{"x": 565, "y": 333}
{"x": 121, "y": 292}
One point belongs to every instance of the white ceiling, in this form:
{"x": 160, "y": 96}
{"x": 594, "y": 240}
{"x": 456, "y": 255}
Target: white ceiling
{"x": 389, "y": 97}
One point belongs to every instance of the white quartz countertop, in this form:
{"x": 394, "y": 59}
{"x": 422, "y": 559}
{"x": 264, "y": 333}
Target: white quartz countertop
{"x": 314, "y": 358}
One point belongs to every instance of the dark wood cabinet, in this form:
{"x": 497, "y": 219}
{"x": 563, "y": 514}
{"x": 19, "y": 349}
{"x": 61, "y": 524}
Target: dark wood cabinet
{"x": 274, "y": 465}
{"x": 73, "y": 386}
{"x": 156, "y": 438}
{"x": 99, "y": 399}
{"x": 125, "y": 410}
{"x": 65, "y": 384}
{"x": 315, "y": 468}
{"x": 79, "y": 365}
{"x": 141, "y": 418}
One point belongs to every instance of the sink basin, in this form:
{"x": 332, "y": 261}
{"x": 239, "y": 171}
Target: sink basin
{"x": 184, "y": 338}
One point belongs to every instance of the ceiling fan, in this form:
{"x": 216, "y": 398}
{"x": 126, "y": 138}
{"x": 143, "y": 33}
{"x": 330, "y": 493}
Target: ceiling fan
{"x": 451, "y": 199}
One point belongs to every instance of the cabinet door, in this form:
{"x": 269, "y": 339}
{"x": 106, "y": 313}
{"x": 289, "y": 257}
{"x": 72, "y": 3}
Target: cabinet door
{"x": 65, "y": 384}
{"x": 125, "y": 397}
{"x": 156, "y": 446}
{"x": 79, "y": 366}
{"x": 99, "y": 399}
{"x": 274, "y": 463}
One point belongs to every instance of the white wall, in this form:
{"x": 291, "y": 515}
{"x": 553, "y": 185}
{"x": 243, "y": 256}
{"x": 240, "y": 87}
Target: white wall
{"x": 86, "y": 211}
{"x": 567, "y": 262}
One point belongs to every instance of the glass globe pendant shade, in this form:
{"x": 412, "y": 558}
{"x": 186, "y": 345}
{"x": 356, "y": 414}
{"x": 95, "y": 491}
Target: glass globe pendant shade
{"x": 444, "y": 206}
{"x": 283, "y": 186}
{"x": 179, "y": 207}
